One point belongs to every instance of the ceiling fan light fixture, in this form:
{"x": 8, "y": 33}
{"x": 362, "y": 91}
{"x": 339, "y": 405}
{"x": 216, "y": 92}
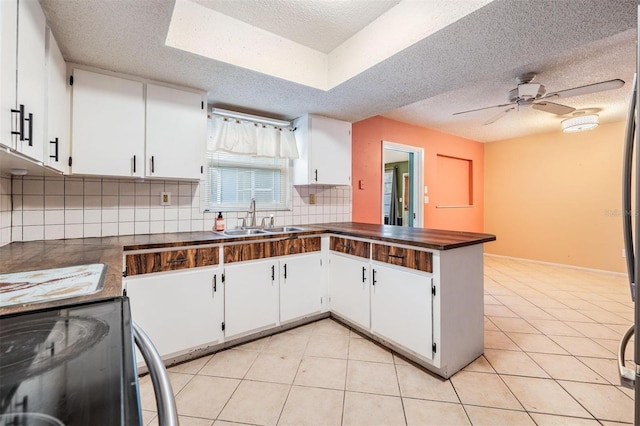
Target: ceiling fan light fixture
{"x": 580, "y": 123}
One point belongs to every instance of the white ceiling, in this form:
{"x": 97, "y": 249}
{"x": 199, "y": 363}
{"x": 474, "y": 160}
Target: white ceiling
{"x": 470, "y": 63}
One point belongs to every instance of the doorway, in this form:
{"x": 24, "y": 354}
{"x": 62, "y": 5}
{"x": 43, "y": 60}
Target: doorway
{"x": 402, "y": 182}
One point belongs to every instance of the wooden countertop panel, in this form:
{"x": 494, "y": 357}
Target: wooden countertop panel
{"x": 349, "y": 246}
{"x": 414, "y": 259}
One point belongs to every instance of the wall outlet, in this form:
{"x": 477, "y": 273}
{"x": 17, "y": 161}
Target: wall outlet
{"x": 312, "y": 198}
{"x": 165, "y": 198}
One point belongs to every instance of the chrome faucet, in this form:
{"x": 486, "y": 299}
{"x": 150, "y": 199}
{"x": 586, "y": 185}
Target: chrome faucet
{"x": 251, "y": 214}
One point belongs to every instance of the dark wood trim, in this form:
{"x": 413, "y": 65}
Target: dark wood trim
{"x": 266, "y": 249}
{"x": 414, "y": 259}
{"x": 298, "y": 245}
{"x": 349, "y": 246}
{"x": 162, "y": 261}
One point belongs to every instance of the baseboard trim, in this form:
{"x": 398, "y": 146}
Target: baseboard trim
{"x": 560, "y": 265}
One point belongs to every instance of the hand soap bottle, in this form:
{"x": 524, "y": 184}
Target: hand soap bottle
{"x": 219, "y": 222}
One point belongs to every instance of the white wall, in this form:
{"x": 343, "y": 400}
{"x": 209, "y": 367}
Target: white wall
{"x": 57, "y": 208}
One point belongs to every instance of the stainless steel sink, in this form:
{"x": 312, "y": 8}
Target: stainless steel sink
{"x": 240, "y": 232}
{"x": 283, "y": 229}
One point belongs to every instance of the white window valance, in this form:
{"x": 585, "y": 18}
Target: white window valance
{"x": 250, "y": 138}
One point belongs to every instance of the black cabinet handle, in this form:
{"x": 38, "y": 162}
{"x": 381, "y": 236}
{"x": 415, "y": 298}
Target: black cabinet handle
{"x": 316, "y": 175}
{"x": 285, "y": 271}
{"x": 374, "y": 278}
{"x": 215, "y": 282}
{"x": 30, "y": 120}
{"x": 20, "y": 111}
{"x": 364, "y": 273}
{"x": 273, "y": 272}
{"x": 134, "y": 164}
{"x": 152, "y": 164}
{"x": 55, "y": 156}
{"x": 395, "y": 256}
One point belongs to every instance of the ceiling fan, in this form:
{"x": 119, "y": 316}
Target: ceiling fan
{"x": 529, "y": 94}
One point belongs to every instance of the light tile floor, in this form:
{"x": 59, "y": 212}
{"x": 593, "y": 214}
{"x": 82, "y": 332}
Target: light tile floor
{"x": 551, "y": 336}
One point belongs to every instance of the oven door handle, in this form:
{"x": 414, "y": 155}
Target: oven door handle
{"x": 167, "y": 412}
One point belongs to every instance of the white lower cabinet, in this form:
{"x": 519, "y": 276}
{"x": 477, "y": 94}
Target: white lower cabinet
{"x": 178, "y": 310}
{"x": 401, "y": 307}
{"x": 301, "y": 283}
{"x": 349, "y": 288}
{"x": 251, "y": 296}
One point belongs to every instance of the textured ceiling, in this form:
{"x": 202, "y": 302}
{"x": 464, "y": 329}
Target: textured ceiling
{"x": 319, "y": 24}
{"x": 469, "y": 64}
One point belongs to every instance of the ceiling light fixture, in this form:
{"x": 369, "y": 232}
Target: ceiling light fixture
{"x": 580, "y": 123}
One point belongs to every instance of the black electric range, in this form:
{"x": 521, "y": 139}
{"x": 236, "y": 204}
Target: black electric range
{"x": 71, "y": 365}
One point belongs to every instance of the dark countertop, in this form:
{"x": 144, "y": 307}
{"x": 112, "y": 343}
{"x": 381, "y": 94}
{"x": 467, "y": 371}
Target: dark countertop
{"x": 37, "y": 255}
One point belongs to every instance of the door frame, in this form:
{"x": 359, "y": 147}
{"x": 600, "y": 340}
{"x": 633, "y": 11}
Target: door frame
{"x": 418, "y": 178}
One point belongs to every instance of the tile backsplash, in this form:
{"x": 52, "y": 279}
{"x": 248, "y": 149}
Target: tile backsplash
{"x": 37, "y": 208}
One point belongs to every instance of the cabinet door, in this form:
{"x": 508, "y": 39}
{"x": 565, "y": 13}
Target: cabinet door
{"x": 300, "y": 286}
{"x": 330, "y": 151}
{"x": 107, "y": 136}
{"x": 349, "y": 288}
{"x": 8, "y": 52}
{"x": 178, "y": 310}
{"x": 31, "y": 76}
{"x": 401, "y": 308}
{"x": 251, "y": 296}
{"x": 176, "y": 133}
{"x": 56, "y": 146}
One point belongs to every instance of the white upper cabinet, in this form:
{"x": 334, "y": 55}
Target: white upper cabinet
{"x": 117, "y": 131}
{"x": 8, "y": 58}
{"x": 324, "y": 145}
{"x": 176, "y": 132}
{"x": 107, "y": 136}
{"x": 56, "y": 148}
{"x": 23, "y": 77}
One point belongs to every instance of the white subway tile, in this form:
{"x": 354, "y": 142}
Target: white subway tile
{"x": 73, "y": 216}
{"x": 197, "y": 225}
{"x": 141, "y": 214}
{"x": 93, "y": 216}
{"x": 33, "y": 202}
{"x": 170, "y": 213}
{"x": 33, "y": 186}
{"x": 54, "y": 217}
{"x": 126, "y": 215}
{"x": 53, "y": 232}
{"x": 53, "y": 202}
{"x": 196, "y": 213}
{"x": 31, "y": 218}
{"x": 184, "y": 225}
{"x": 74, "y": 230}
{"x": 126, "y": 228}
{"x": 126, "y": 201}
{"x": 156, "y": 189}
{"x": 141, "y": 227}
{"x": 5, "y": 236}
{"x": 143, "y": 201}
{"x": 73, "y": 202}
{"x": 32, "y": 233}
{"x": 16, "y": 233}
{"x": 126, "y": 188}
{"x": 156, "y": 214}
{"x": 92, "y": 187}
{"x": 184, "y": 189}
{"x": 184, "y": 214}
{"x": 109, "y": 215}
{"x": 16, "y": 186}
{"x": 16, "y": 218}
{"x": 73, "y": 187}
{"x": 109, "y": 188}
{"x": 109, "y": 229}
{"x": 92, "y": 202}
{"x": 170, "y": 226}
{"x": 109, "y": 201}
{"x": 172, "y": 188}
{"x": 156, "y": 227}
{"x": 92, "y": 230}
{"x": 142, "y": 188}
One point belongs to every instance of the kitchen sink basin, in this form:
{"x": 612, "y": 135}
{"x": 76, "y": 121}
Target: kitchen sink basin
{"x": 284, "y": 229}
{"x": 240, "y": 232}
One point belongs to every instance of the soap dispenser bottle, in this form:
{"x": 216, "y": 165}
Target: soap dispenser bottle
{"x": 219, "y": 222}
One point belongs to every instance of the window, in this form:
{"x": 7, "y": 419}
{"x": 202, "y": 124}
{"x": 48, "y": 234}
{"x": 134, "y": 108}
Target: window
{"x": 233, "y": 180}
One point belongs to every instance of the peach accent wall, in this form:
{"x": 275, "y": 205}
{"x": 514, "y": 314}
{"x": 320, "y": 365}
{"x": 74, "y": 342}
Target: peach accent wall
{"x": 556, "y": 197}
{"x": 367, "y": 167}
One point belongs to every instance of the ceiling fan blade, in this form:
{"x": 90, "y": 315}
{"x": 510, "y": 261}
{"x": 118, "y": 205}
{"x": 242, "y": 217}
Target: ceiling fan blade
{"x": 553, "y": 108}
{"x": 588, "y": 89}
{"x": 481, "y": 109}
{"x": 498, "y": 116}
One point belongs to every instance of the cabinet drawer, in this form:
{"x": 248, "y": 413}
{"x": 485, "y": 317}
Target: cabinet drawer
{"x": 145, "y": 263}
{"x": 414, "y": 259}
{"x": 352, "y": 247}
{"x": 266, "y": 249}
{"x": 298, "y": 245}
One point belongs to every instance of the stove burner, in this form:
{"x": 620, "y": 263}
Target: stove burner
{"x": 31, "y": 419}
{"x": 38, "y": 345}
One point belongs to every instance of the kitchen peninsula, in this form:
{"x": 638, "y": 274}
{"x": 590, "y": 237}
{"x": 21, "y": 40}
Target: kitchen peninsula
{"x": 416, "y": 291}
